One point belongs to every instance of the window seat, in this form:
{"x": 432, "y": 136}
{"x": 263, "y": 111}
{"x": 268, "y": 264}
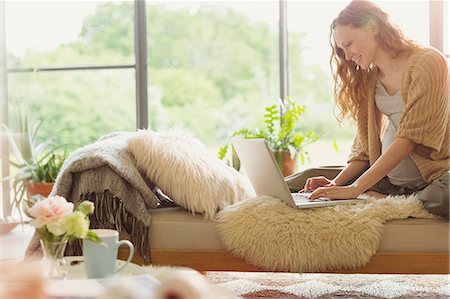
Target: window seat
{"x": 179, "y": 238}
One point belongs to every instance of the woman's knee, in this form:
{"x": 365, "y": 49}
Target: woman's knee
{"x": 297, "y": 181}
{"x": 435, "y": 197}
{"x": 437, "y": 205}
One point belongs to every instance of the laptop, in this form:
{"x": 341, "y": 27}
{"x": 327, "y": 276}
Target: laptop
{"x": 262, "y": 170}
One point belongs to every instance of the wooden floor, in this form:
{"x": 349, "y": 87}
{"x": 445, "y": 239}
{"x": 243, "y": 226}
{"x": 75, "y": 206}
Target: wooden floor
{"x": 381, "y": 263}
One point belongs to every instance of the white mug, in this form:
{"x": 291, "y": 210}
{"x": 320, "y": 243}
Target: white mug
{"x": 100, "y": 258}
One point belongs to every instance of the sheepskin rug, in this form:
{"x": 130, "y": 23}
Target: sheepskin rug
{"x": 181, "y": 166}
{"x": 267, "y": 233}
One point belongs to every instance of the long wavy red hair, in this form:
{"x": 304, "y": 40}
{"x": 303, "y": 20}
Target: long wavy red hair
{"x": 351, "y": 83}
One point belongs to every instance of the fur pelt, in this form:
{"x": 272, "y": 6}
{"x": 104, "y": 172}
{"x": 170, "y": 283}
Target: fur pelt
{"x": 268, "y": 234}
{"x": 183, "y": 169}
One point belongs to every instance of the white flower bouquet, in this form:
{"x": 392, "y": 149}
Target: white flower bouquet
{"x": 57, "y": 221}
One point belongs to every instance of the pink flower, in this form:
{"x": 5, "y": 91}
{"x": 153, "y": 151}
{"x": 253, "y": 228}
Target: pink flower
{"x": 50, "y": 211}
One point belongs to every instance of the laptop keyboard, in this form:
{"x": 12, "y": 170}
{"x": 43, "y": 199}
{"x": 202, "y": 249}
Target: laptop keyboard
{"x": 304, "y": 197}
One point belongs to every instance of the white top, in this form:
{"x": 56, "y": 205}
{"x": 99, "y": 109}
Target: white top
{"x": 406, "y": 173}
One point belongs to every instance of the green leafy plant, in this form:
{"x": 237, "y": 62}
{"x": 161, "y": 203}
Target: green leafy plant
{"x": 280, "y": 131}
{"x": 35, "y": 162}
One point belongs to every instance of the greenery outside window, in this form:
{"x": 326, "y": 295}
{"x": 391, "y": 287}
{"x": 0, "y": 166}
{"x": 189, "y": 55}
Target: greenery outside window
{"x": 213, "y": 66}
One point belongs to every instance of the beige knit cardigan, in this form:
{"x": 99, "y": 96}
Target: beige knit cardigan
{"x": 425, "y": 118}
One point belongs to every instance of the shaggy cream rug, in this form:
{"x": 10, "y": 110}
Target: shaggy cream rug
{"x": 267, "y": 233}
{"x": 329, "y": 286}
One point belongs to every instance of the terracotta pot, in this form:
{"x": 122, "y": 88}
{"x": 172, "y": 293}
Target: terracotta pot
{"x": 285, "y": 162}
{"x": 43, "y": 189}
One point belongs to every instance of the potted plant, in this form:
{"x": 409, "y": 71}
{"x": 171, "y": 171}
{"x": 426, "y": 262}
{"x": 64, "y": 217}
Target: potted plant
{"x": 281, "y": 133}
{"x": 37, "y": 163}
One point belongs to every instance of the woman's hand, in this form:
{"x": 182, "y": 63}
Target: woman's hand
{"x": 336, "y": 192}
{"x": 316, "y": 182}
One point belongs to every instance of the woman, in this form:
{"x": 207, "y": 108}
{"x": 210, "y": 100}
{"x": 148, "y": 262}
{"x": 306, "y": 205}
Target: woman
{"x": 397, "y": 92}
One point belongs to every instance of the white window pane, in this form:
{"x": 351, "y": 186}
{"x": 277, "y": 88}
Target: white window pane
{"x": 69, "y": 32}
{"x": 213, "y": 66}
{"x": 413, "y": 17}
{"x": 81, "y": 105}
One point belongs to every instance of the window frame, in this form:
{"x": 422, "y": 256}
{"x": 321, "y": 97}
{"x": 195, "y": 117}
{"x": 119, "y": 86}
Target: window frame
{"x": 436, "y": 31}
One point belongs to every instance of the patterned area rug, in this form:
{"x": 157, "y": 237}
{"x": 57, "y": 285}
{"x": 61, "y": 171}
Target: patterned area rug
{"x": 294, "y": 286}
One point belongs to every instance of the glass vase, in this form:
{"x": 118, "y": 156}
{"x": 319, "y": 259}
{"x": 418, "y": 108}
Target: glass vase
{"x": 56, "y": 266}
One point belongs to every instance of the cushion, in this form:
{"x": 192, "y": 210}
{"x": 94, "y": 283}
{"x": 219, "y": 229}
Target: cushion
{"x": 177, "y": 229}
{"x": 183, "y": 169}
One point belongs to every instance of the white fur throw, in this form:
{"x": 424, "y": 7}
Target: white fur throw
{"x": 268, "y": 234}
{"x": 183, "y": 169}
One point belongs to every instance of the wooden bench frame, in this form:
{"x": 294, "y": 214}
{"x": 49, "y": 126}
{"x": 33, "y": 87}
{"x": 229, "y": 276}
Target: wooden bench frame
{"x": 380, "y": 263}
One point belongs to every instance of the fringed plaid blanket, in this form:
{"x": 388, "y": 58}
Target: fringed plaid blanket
{"x": 105, "y": 173}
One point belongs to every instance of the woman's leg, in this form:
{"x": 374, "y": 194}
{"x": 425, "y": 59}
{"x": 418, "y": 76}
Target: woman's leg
{"x": 435, "y": 197}
{"x": 297, "y": 181}
{"x": 384, "y": 188}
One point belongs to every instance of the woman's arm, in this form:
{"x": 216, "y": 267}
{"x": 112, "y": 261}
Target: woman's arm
{"x": 397, "y": 151}
{"x": 351, "y": 171}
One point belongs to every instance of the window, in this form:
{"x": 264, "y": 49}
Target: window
{"x": 96, "y": 103}
{"x": 72, "y": 66}
{"x": 68, "y": 33}
{"x": 213, "y": 66}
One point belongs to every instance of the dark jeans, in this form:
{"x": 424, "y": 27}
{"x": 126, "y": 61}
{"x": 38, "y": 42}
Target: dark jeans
{"x": 434, "y": 196}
